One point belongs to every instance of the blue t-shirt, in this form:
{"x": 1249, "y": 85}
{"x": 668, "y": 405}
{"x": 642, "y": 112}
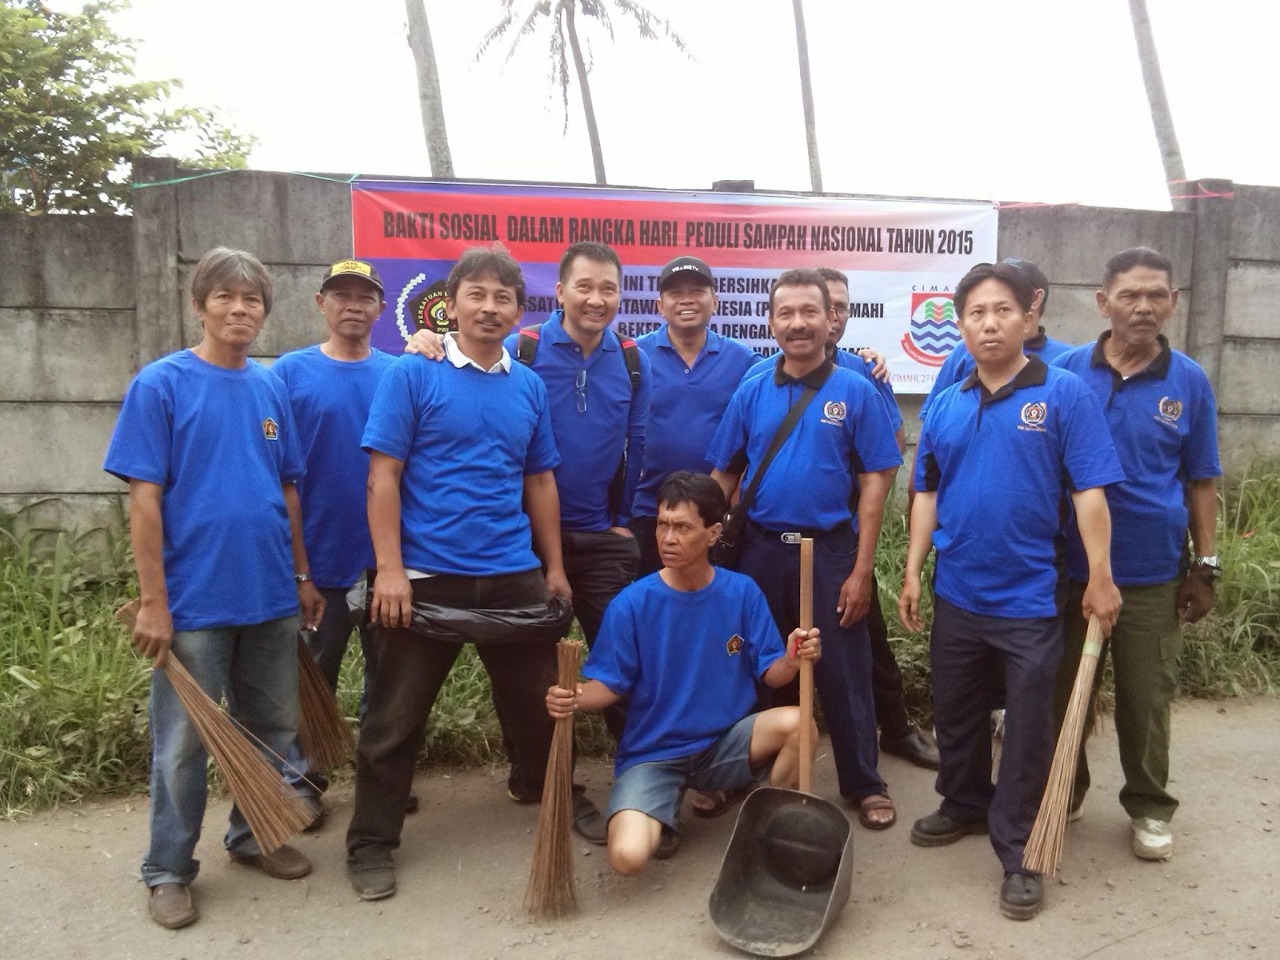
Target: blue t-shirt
{"x": 221, "y": 443}
{"x": 959, "y": 363}
{"x": 1164, "y": 423}
{"x": 467, "y": 440}
{"x": 331, "y": 400}
{"x": 1003, "y": 466}
{"x": 688, "y": 404}
{"x": 594, "y": 423}
{"x": 686, "y": 662}
{"x": 844, "y": 431}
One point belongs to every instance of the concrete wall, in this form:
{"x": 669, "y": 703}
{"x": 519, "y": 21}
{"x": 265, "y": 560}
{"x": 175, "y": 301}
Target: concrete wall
{"x": 85, "y": 301}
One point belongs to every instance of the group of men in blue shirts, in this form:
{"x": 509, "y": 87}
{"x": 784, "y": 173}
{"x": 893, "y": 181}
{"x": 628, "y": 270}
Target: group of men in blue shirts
{"x": 514, "y": 475}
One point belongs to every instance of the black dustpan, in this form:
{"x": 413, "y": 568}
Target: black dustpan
{"x": 786, "y": 873}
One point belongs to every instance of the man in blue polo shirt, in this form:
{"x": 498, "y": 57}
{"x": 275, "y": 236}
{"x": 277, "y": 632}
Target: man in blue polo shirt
{"x": 995, "y": 453}
{"x": 1161, "y": 412}
{"x": 461, "y": 492}
{"x": 331, "y": 387}
{"x": 842, "y": 435}
{"x": 695, "y": 371}
{"x": 599, "y": 413}
{"x": 898, "y": 735}
{"x": 207, "y": 444}
{"x": 685, "y": 648}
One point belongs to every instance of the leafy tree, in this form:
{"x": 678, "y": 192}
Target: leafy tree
{"x": 561, "y": 16}
{"x": 72, "y": 115}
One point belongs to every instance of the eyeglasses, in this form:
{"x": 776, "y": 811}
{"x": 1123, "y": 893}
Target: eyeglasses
{"x": 580, "y": 390}
{"x": 841, "y": 311}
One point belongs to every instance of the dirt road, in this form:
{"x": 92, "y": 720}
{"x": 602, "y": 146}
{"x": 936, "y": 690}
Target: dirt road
{"x": 69, "y": 889}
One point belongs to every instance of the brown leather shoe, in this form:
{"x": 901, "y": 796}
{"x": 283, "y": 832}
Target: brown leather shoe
{"x": 285, "y": 863}
{"x": 171, "y": 906}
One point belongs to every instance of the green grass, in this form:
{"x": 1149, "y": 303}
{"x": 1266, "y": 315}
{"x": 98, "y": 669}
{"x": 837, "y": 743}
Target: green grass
{"x": 73, "y": 693}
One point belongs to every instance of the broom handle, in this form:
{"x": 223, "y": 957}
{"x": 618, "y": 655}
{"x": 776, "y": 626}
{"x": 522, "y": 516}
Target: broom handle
{"x": 806, "y": 667}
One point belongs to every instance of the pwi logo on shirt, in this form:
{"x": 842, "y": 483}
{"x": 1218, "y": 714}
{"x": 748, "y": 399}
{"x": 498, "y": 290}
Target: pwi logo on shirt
{"x": 834, "y": 412}
{"x": 1033, "y": 416}
{"x": 1170, "y": 410}
{"x": 734, "y": 646}
{"x": 270, "y": 429}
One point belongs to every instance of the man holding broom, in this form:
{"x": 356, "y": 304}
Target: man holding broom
{"x": 461, "y": 493}
{"x": 998, "y": 454}
{"x": 207, "y": 444}
{"x": 1163, "y": 419}
{"x": 684, "y": 648}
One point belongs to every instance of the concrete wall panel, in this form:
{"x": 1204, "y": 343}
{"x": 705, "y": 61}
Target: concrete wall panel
{"x": 66, "y": 355}
{"x": 66, "y": 262}
{"x": 1255, "y": 212}
{"x": 55, "y": 448}
{"x": 1246, "y": 439}
{"x": 1248, "y": 383}
{"x": 1253, "y": 300}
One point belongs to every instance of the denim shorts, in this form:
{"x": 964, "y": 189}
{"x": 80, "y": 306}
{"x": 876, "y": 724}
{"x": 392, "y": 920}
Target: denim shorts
{"x": 656, "y": 788}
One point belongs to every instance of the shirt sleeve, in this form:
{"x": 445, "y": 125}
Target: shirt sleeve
{"x": 873, "y": 435}
{"x": 946, "y": 377}
{"x": 542, "y": 455}
{"x": 142, "y": 443}
{"x": 729, "y": 442}
{"x": 766, "y": 643}
{"x": 615, "y": 656}
{"x": 927, "y": 473}
{"x": 1200, "y": 450}
{"x": 1088, "y": 453}
{"x": 393, "y": 415}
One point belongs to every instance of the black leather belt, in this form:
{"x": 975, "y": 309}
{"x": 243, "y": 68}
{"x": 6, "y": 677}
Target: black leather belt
{"x": 795, "y": 536}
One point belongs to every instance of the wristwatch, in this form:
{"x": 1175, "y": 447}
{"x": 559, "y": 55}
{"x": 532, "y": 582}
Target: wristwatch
{"x": 301, "y": 578}
{"x": 1211, "y": 565}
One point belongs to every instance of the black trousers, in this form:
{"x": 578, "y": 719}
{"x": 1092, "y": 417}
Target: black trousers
{"x": 411, "y": 669}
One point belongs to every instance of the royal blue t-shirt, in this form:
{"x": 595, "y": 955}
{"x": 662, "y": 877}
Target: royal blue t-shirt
{"x": 688, "y": 402}
{"x": 685, "y": 662}
{"x": 330, "y": 400}
{"x": 594, "y": 423}
{"x": 1003, "y": 466}
{"x": 1164, "y": 423}
{"x": 959, "y": 363}
{"x": 467, "y": 440}
{"x": 221, "y": 443}
{"x": 844, "y": 431}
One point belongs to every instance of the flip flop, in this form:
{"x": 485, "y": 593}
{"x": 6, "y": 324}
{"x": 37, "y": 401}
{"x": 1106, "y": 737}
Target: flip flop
{"x": 721, "y": 801}
{"x": 876, "y": 802}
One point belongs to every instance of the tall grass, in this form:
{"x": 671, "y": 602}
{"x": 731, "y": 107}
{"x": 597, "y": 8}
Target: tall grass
{"x": 73, "y": 693}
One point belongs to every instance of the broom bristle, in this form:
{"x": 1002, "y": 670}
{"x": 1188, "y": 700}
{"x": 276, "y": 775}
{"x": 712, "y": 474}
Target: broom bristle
{"x": 323, "y": 734}
{"x": 271, "y": 809}
{"x": 550, "y": 891}
{"x": 1043, "y": 852}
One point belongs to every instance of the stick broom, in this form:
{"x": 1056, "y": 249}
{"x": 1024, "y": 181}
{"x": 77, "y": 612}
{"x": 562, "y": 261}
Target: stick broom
{"x": 323, "y": 734}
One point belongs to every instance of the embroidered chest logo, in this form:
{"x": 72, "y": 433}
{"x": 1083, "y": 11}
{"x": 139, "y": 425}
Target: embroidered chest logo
{"x": 1033, "y": 416}
{"x": 834, "y": 412}
{"x": 1170, "y": 409}
{"x": 270, "y": 430}
{"x": 734, "y": 646}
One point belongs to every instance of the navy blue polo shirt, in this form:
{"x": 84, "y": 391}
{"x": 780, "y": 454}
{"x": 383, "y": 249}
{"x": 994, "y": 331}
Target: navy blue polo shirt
{"x": 1002, "y": 465}
{"x": 467, "y": 440}
{"x": 1164, "y": 423}
{"x": 688, "y": 404}
{"x": 593, "y": 423}
{"x": 959, "y": 363}
{"x": 844, "y": 431}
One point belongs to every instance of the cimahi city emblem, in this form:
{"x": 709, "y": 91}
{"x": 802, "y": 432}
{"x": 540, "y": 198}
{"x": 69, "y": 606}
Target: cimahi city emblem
{"x": 1170, "y": 409}
{"x": 1033, "y": 414}
{"x": 932, "y": 334}
{"x": 834, "y": 412}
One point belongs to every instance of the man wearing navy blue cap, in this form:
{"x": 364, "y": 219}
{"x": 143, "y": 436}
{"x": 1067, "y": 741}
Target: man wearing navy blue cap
{"x": 1163, "y": 419}
{"x": 998, "y": 454}
{"x": 842, "y": 435}
{"x": 695, "y": 371}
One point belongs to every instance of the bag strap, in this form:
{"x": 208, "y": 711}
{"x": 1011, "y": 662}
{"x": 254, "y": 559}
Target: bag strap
{"x": 785, "y": 429}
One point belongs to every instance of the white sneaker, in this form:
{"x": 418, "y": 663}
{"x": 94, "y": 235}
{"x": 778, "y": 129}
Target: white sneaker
{"x": 1152, "y": 839}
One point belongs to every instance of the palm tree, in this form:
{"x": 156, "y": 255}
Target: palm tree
{"x": 562, "y": 17}
{"x": 1161, "y": 118}
{"x": 806, "y": 98}
{"x": 429, "y": 96}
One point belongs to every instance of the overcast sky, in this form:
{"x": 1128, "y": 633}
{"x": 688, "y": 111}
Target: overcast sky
{"x": 990, "y": 99}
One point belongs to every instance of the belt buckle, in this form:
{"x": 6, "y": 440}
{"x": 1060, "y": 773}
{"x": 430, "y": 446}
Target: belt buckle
{"x": 791, "y": 537}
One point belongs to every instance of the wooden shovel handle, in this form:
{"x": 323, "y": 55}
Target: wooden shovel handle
{"x": 806, "y": 667}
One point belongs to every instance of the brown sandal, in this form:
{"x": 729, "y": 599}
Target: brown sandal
{"x": 876, "y": 802}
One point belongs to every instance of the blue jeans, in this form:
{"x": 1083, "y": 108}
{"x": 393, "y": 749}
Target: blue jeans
{"x": 256, "y": 668}
{"x": 328, "y": 646}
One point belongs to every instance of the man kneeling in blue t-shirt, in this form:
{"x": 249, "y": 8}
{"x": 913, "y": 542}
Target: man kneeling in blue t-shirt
{"x": 685, "y": 647}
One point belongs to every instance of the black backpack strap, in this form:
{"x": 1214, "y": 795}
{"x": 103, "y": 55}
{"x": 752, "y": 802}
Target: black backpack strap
{"x": 631, "y": 354}
{"x": 527, "y": 344}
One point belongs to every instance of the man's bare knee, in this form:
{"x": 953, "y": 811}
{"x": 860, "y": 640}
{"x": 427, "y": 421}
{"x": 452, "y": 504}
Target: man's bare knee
{"x": 632, "y": 840}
